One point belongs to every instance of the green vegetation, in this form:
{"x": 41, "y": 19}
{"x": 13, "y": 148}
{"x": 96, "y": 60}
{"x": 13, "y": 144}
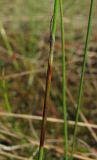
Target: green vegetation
{"x": 64, "y": 84}
{"x": 82, "y": 77}
{"x": 33, "y": 36}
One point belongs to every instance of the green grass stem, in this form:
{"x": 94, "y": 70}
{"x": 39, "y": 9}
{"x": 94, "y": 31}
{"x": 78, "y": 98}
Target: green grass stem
{"x": 64, "y": 80}
{"x": 82, "y": 78}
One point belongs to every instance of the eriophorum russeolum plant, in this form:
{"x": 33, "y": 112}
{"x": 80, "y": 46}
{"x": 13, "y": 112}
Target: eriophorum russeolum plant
{"x": 48, "y": 79}
{"x": 49, "y": 75}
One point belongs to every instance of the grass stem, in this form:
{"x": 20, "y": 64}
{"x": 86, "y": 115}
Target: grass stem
{"x": 48, "y": 79}
{"x": 64, "y": 80}
{"x": 82, "y": 78}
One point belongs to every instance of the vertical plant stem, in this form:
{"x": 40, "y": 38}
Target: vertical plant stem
{"x": 64, "y": 80}
{"x": 48, "y": 79}
{"x": 82, "y": 78}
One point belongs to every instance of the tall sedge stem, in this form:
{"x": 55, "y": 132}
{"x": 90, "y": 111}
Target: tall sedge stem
{"x": 64, "y": 80}
{"x": 82, "y": 78}
{"x": 48, "y": 80}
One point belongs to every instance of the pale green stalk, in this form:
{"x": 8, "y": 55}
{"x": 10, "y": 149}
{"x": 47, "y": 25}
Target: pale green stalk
{"x": 64, "y": 80}
{"x": 82, "y": 78}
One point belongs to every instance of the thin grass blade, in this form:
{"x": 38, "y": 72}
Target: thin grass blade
{"x": 64, "y": 80}
{"x": 82, "y": 78}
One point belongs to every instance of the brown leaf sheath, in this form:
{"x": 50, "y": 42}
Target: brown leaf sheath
{"x": 48, "y": 83}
